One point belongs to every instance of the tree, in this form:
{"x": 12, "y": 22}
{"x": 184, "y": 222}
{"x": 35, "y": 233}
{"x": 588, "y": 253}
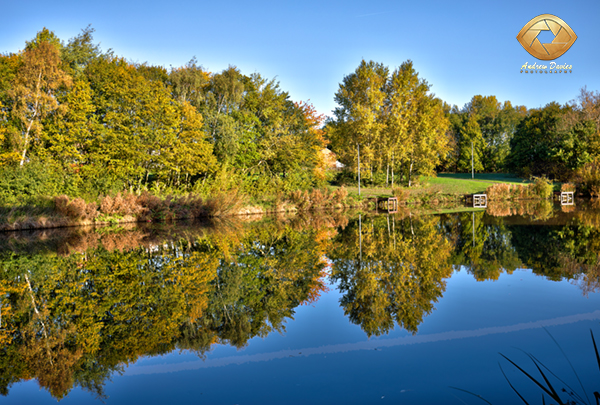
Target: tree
{"x": 394, "y": 120}
{"x": 536, "y": 142}
{"x": 429, "y": 142}
{"x": 68, "y": 136}
{"x": 34, "y": 90}
{"x": 142, "y": 131}
{"x": 189, "y": 83}
{"x": 402, "y": 91}
{"x": 361, "y": 98}
{"x": 80, "y": 51}
{"x": 471, "y": 145}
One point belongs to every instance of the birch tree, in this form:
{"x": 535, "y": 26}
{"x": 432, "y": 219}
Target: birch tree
{"x": 34, "y": 91}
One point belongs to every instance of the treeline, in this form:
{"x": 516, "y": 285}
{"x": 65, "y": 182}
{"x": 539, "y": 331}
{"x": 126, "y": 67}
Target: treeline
{"x": 399, "y": 130}
{"x": 83, "y": 122}
{"x": 78, "y": 121}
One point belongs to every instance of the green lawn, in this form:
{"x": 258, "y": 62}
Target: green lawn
{"x": 445, "y": 183}
{"x": 493, "y": 177}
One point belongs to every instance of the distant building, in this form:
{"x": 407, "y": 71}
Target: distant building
{"x": 330, "y": 160}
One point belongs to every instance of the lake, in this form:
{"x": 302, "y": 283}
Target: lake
{"x": 326, "y": 308}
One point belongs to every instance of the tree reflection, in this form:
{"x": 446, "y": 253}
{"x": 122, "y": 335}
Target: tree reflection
{"x": 391, "y": 271}
{"x": 73, "y": 314}
{"x": 481, "y": 244}
{"x": 74, "y": 320}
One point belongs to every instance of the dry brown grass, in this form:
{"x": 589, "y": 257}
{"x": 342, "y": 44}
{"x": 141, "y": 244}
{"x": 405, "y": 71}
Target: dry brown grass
{"x": 539, "y": 189}
{"x": 76, "y": 209}
{"x": 318, "y": 199}
{"x": 567, "y": 187}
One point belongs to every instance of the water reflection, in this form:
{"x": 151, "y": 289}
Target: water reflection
{"x": 74, "y": 319}
{"x": 76, "y": 306}
{"x": 390, "y": 273}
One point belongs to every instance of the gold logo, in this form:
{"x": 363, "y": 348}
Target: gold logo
{"x": 564, "y": 37}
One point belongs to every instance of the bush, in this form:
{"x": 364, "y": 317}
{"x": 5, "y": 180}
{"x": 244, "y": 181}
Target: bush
{"x": 76, "y": 208}
{"x": 339, "y": 196}
{"x": 499, "y": 191}
{"x": 567, "y": 187}
{"x": 316, "y": 199}
{"x": 400, "y": 193}
{"x": 542, "y": 188}
{"x": 126, "y": 204}
{"x": 588, "y": 178}
{"x": 35, "y": 179}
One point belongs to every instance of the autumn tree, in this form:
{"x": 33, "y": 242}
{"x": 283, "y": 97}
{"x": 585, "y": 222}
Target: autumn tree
{"x": 142, "y": 132}
{"x": 360, "y": 98}
{"x": 34, "y": 90}
{"x": 471, "y": 145}
{"x": 396, "y": 120}
{"x": 189, "y": 83}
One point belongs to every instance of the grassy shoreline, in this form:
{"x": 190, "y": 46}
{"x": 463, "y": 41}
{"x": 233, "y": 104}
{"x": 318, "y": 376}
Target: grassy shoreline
{"x": 445, "y": 192}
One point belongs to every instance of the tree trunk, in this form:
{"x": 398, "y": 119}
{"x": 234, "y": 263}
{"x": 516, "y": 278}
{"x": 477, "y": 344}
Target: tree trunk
{"x": 35, "y": 113}
{"x": 358, "y": 149}
{"x": 392, "y": 170}
{"x": 387, "y": 175}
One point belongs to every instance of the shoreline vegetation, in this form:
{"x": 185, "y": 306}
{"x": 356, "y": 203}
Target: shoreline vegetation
{"x": 90, "y": 138}
{"x": 432, "y": 194}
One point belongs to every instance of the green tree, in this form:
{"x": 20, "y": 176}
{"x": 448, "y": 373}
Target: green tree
{"x": 142, "y": 130}
{"x": 360, "y": 98}
{"x": 472, "y": 145}
{"x": 80, "y": 51}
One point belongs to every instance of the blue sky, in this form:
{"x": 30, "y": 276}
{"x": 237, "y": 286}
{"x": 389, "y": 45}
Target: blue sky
{"x": 460, "y": 48}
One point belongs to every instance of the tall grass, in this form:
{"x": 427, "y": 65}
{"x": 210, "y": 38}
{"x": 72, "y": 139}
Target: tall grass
{"x": 540, "y": 189}
{"x": 552, "y": 385}
{"x": 548, "y": 382}
{"x": 318, "y": 199}
{"x": 123, "y": 207}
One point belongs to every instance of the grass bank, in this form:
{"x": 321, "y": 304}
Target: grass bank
{"x": 445, "y": 188}
{"x": 63, "y": 211}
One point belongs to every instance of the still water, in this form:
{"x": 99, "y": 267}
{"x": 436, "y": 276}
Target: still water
{"x": 333, "y": 308}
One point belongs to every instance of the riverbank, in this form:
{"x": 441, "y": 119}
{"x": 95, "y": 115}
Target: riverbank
{"x": 445, "y": 192}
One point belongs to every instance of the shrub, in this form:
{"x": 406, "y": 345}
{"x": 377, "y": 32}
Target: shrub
{"x": 318, "y": 198}
{"x": 301, "y": 199}
{"x": 567, "y": 187}
{"x": 35, "y": 179}
{"x": 76, "y": 208}
{"x": 339, "y": 195}
{"x": 499, "y": 191}
{"x": 588, "y": 178}
{"x": 542, "y": 188}
{"x": 222, "y": 203}
{"x": 400, "y": 193}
